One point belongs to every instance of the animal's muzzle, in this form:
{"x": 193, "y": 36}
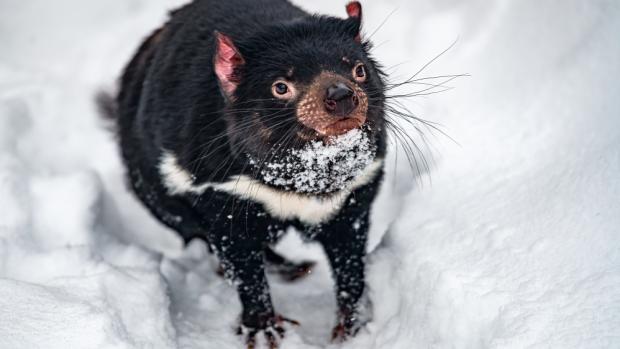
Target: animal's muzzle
{"x": 332, "y": 105}
{"x": 340, "y": 99}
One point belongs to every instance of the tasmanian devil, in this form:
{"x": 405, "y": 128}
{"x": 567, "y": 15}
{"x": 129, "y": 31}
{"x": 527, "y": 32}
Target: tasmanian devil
{"x": 238, "y": 119}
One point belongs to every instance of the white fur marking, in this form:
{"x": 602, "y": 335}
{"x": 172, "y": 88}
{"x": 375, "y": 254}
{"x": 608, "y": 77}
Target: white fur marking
{"x": 177, "y": 179}
{"x": 280, "y": 204}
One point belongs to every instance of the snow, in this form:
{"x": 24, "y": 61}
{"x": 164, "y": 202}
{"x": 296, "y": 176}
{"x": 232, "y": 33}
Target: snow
{"x": 511, "y": 241}
{"x": 320, "y": 166}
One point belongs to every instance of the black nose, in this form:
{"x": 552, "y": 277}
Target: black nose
{"x": 340, "y": 99}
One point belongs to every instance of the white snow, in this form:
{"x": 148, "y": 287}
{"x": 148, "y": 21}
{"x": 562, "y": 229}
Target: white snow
{"x": 320, "y": 166}
{"x": 512, "y": 241}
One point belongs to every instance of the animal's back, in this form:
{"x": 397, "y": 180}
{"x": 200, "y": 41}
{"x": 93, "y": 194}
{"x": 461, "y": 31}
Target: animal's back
{"x": 182, "y": 50}
{"x": 151, "y": 93}
{"x": 238, "y": 18}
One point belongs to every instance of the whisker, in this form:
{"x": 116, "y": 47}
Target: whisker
{"x": 382, "y": 24}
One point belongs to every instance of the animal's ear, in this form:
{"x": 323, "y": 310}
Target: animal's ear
{"x": 226, "y": 62}
{"x": 354, "y": 10}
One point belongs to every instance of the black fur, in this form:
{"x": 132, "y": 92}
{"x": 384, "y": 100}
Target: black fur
{"x": 170, "y": 99}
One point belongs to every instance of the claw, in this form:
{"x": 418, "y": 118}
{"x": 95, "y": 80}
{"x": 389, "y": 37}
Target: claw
{"x": 280, "y": 319}
{"x": 220, "y": 271}
{"x": 251, "y": 340}
{"x": 274, "y": 332}
{"x": 347, "y": 327}
{"x": 281, "y": 331}
{"x": 339, "y": 334}
{"x": 271, "y": 340}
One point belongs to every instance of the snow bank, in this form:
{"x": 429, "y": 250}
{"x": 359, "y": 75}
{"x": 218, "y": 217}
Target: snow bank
{"x": 513, "y": 242}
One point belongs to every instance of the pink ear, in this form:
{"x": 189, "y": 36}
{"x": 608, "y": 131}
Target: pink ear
{"x": 354, "y": 10}
{"x": 227, "y": 59}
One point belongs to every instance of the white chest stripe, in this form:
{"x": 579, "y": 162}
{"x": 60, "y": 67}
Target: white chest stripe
{"x": 280, "y": 204}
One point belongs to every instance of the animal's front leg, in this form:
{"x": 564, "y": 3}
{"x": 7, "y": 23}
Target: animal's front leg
{"x": 344, "y": 243}
{"x": 242, "y": 259}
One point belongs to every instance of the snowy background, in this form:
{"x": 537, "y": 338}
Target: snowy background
{"x": 511, "y": 241}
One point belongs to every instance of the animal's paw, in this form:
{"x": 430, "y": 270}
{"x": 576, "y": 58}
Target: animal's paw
{"x": 272, "y": 329}
{"x": 351, "y": 319}
{"x": 348, "y": 326}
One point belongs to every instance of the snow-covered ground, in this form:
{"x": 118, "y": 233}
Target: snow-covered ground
{"x": 512, "y": 241}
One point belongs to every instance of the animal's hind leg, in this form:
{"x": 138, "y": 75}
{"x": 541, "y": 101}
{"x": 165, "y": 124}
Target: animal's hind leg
{"x": 286, "y": 269}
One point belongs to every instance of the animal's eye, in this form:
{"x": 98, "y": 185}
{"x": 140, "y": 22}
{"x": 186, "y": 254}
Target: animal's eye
{"x": 282, "y": 89}
{"x": 359, "y": 72}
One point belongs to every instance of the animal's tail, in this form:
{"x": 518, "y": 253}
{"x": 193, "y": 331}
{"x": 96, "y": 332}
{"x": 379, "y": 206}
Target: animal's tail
{"x": 106, "y": 106}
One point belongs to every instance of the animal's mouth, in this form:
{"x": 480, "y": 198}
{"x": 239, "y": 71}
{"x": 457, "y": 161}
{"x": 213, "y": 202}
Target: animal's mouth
{"x": 328, "y": 132}
{"x": 342, "y": 126}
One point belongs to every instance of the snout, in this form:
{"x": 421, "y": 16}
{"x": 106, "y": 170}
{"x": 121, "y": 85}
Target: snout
{"x": 332, "y": 105}
{"x": 340, "y": 99}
